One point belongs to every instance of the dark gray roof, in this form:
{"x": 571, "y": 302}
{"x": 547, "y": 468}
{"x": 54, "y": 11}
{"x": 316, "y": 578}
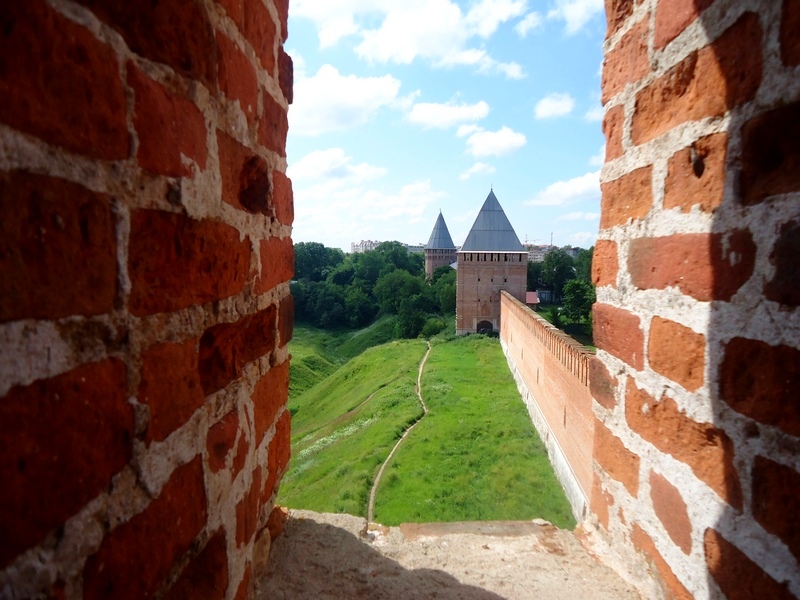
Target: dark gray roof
{"x": 440, "y": 237}
{"x": 492, "y": 232}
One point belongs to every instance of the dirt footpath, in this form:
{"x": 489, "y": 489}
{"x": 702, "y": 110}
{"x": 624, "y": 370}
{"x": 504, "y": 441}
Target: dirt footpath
{"x": 334, "y": 556}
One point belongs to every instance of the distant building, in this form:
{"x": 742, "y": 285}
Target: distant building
{"x": 415, "y": 248}
{"x": 536, "y": 254}
{"x": 364, "y": 245}
{"x": 440, "y": 250}
{"x": 492, "y": 259}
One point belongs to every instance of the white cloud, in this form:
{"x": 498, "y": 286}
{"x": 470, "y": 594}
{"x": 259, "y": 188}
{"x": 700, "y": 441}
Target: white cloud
{"x": 579, "y": 216}
{"x": 478, "y": 168}
{"x": 576, "y": 13}
{"x": 554, "y": 105}
{"x": 564, "y": 193}
{"x": 465, "y": 130}
{"x": 333, "y": 167}
{"x": 493, "y": 143}
{"x": 596, "y": 113}
{"x": 531, "y": 21}
{"x": 486, "y": 16}
{"x": 600, "y": 158}
{"x": 442, "y": 116}
{"x": 329, "y": 101}
{"x": 583, "y": 238}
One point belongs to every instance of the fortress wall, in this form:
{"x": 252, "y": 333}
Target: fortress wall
{"x": 552, "y": 373}
{"x": 144, "y": 298}
{"x": 697, "y": 454}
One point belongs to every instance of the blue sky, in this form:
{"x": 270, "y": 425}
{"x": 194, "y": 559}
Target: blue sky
{"x": 406, "y": 107}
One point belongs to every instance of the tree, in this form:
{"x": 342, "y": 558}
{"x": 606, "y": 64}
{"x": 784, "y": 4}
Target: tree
{"x": 395, "y": 286}
{"x": 534, "y": 275}
{"x": 578, "y": 299}
{"x": 360, "y": 307}
{"x": 583, "y": 265}
{"x": 313, "y": 261}
{"x": 410, "y": 318}
{"x": 447, "y": 299}
{"x": 557, "y": 269}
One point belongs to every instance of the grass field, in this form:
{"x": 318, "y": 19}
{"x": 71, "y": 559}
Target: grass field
{"x": 476, "y": 455}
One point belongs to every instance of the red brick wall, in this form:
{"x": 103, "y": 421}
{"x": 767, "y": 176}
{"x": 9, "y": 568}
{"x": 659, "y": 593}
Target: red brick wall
{"x": 697, "y": 322}
{"x": 145, "y": 255}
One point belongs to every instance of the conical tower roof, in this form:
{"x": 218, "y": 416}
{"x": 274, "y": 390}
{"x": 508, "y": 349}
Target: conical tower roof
{"x": 492, "y": 231}
{"x": 440, "y": 237}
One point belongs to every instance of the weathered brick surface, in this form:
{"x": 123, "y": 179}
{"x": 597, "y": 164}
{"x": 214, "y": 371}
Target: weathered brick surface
{"x": 771, "y": 154}
{"x": 245, "y": 176}
{"x": 696, "y": 175}
{"x": 629, "y": 197}
{"x": 774, "y": 497}
{"x": 175, "y": 261}
{"x": 601, "y": 502}
{"x": 206, "y": 576}
{"x": 64, "y": 439}
{"x": 627, "y": 62}
{"x": 673, "y": 16}
{"x": 259, "y": 29}
{"x": 226, "y": 348}
{"x": 613, "y": 123}
{"x": 704, "y": 266}
{"x": 615, "y": 459}
{"x": 619, "y": 332}
{"x": 286, "y": 75}
{"x": 672, "y": 586}
{"x": 783, "y": 286}
{"x": 240, "y": 458}
{"x": 670, "y": 508}
{"x": 276, "y": 522}
{"x": 175, "y": 32}
{"x": 57, "y": 249}
{"x": 220, "y": 441}
{"x": 243, "y": 591}
{"x": 170, "y": 387}
{"x": 602, "y": 384}
{"x": 278, "y": 454}
{"x": 708, "y": 450}
{"x": 168, "y": 126}
{"x": 277, "y": 263}
{"x": 761, "y": 381}
{"x": 677, "y": 352}
{"x": 237, "y": 76}
{"x": 605, "y": 263}
{"x": 282, "y": 198}
{"x": 134, "y": 558}
{"x": 617, "y": 11}
{"x": 707, "y": 83}
{"x": 273, "y": 126}
{"x": 60, "y": 83}
{"x": 247, "y": 511}
{"x": 790, "y": 25}
{"x": 737, "y": 575}
{"x": 269, "y": 395}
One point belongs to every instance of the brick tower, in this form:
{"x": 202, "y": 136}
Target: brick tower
{"x": 492, "y": 259}
{"x": 439, "y": 250}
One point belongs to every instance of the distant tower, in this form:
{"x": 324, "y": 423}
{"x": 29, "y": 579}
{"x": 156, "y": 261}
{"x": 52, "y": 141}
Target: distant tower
{"x": 440, "y": 249}
{"x": 492, "y": 259}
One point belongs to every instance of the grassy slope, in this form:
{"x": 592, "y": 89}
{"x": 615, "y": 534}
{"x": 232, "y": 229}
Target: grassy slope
{"x": 339, "y": 439}
{"x": 476, "y": 455}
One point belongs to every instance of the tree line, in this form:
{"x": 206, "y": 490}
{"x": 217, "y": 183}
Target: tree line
{"x": 570, "y": 281}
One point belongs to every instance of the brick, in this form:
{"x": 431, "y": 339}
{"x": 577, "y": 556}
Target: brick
{"x": 790, "y": 25}
{"x": 273, "y": 126}
{"x": 671, "y": 585}
{"x": 58, "y": 250}
{"x": 243, "y": 591}
{"x": 674, "y": 16}
{"x": 276, "y": 522}
{"x": 60, "y": 83}
{"x": 278, "y": 454}
{"x": 615, "y": 459}
{"x": 696, "y": 175}
{"x": 175, "y": 261}
{"x": 617, "y": 12}
{"x": 708, "y": 83}
{"x": 619, "y": 332}
{"x": 170, "y": 387}
{"x": 737, "y": 575}
{"x": 135, "y": 558}
{"x": 237, "y": 77}
{"x": 627, "y": 62}
{"x": 601, "y": 502}
{"x": 64, "y": 438}
{"x": 601, "y": 384}
{"x": 206, "y": 576}
{"x": 277, "y": 263}
{"x": 175, "y": 32}
{"x": 605, "y": 263}
{"x": 259, "y": 29}
{"x": 286, "y": 320}
{"x": 629, "y": 197}
{"x": 286, "y": 75}
{"x": 240, "y": 459}
{"x": 761, "y": 381}
{"x": 283, "y": 16}
{"x": 707, "y": 450}
{"x": 248, "y": 511}
{"x": 169, "y": 127}
{"x": 771, "y": 155}
{"x": 245, "y": 177}
{"x": 282, "y": 198}
{"x": 270, "y": 394}
{"x": 703, "y": 266}
{"x": 775, "y": 501}
{"x": 235, "y": 10}
{"x": 220, "y": 441}
{"x": 670, "y": 508}
{"x": 783, "y": 287}
{"x": 677, "y": 353}
{"x": 226, "y": 348}
{"x": 613, "y": 126}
